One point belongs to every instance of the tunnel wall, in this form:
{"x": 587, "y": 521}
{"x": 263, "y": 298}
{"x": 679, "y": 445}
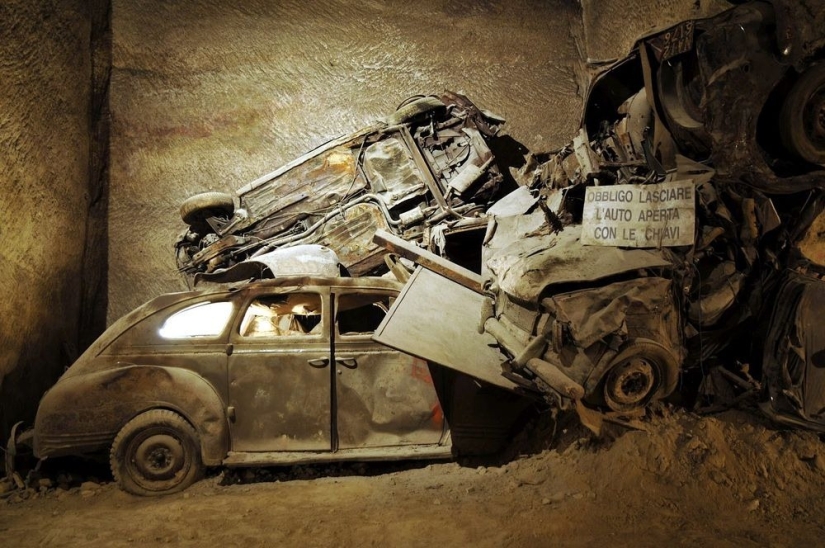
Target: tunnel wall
{"x": 45, "y": 150}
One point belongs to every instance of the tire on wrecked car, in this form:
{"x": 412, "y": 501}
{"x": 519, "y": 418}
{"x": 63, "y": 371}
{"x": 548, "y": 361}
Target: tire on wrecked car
{"x": 156, "y": 453}
{"x": 412, "y": 109}
{"x": 641, "y": 372}
{"x": 196, "y": 209}
{"x": 802, "y": 116}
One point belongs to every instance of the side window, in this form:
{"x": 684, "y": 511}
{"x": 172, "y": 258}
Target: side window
{"x": 200, "y": 320}
{"x": 359, "y": 314}
{"x": 292, "y": 314}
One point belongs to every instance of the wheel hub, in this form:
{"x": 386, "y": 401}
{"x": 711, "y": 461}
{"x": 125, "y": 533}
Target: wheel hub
{"x": 814, "y": 118}
{"x": 630, "y": 384}
{"x": 159, "y": 457}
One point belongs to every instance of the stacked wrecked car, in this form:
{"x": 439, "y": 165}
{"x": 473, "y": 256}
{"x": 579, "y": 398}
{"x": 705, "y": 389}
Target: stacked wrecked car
{"x": 648, "y": 252}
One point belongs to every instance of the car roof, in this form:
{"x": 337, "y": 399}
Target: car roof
{"x": 363, "y": 282}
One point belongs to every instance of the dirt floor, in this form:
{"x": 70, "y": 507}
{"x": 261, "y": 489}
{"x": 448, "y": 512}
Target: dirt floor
{"x": 728, "y": 480}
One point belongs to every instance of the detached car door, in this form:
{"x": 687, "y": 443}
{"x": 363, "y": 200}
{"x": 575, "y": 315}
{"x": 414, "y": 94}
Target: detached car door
{"x": 279, "y": 373}
{"x": 384, "y": 398}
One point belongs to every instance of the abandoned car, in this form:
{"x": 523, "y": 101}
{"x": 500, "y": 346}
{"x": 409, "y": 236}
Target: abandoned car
{"x": 425, "y": 173}
{"x": 652, "y": 245}
{"x": 279, "y": 371}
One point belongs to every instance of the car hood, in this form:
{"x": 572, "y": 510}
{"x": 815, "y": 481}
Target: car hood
{"x": 523, "y": 267}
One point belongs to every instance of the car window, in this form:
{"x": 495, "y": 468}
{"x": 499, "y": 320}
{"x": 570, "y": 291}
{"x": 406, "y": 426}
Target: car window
{"x": 201, "y": 320}
{"x": 289, "y": 315}
{"x": 360, "y": 314}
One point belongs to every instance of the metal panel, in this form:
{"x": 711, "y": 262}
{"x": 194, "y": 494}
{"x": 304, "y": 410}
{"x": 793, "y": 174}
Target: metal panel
{"x": 436, "y": 319}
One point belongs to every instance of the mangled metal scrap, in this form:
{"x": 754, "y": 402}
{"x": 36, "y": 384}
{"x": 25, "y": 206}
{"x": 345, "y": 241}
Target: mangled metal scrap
{"x": 423, "y": 173}
{"x": 626, "y": 261}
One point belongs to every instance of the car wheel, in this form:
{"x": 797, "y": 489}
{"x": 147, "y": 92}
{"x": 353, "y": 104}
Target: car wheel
{"x": 196, "y": 209}
{"x": 413, "y": 109}
{"x": 681, "y": 92}
{"x": 156, "y": 453}
{"x": 637, "y": 375}
{"x": 802, "y": 117}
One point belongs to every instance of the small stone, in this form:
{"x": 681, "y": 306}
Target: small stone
{"x": 87, "y": 494}
{"x": 578, "y": 496}
{"x": 481, "y": 470}
{"x": 753, "y": 505}
{"x": 501, "y": 470}
{"x": 545, "y": 501}
{"x": 45, "y": 482}
{"x": 818, "y": 463}
{"x": 186, "y": 495}
{"x": 437, "y": 502}
{"x": 89, "y": 486}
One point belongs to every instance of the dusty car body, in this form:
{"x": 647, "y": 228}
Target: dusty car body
{"x": 631, "y": 262}
{"x": 279, "y": 371}
{"x": 424, "y": 173}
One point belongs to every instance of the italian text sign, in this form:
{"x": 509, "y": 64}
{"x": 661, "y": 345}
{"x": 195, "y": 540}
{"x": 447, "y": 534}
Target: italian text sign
{"x": 658, "y": 215}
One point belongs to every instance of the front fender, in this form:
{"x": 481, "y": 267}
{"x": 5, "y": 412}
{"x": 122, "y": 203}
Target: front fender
{"x": 83, "y": 413}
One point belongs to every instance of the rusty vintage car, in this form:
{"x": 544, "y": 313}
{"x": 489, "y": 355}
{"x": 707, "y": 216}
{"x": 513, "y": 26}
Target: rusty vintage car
{"x": 270, "y": 372}
{"x": 425, "y": 173}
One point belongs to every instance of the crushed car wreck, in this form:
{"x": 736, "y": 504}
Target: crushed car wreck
{"x": 278, "y": 371}
{"x": 652, "y": 245}
{"x": 424, "y": 173}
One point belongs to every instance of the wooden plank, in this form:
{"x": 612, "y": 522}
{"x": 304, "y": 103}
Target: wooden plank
{"x": 428, "y": 260}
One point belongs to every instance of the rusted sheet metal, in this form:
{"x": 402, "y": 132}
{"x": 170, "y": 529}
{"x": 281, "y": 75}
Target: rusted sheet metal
{"x": 437, "y": 319}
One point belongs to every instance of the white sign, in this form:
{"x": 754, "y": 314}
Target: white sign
{"x": 639, "y": 215}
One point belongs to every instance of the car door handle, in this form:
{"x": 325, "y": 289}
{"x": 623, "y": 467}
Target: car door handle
{"x": 319, "y": 363}
{"x": 349, "y": 363}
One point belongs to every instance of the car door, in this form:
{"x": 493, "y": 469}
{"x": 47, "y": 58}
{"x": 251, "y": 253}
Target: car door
{"x": 384, "y": 398}
{"x": 278, "y": 372}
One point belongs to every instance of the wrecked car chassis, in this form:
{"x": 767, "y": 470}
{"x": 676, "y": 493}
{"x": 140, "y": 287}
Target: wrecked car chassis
{"x": 425, "y": 173}
{"x": 651, "y": 246}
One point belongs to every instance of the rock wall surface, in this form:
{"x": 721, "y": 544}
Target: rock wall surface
{"x": 45, "y": 68}
{"x": 209, "y": 95}
{"x": 611, "y": 28}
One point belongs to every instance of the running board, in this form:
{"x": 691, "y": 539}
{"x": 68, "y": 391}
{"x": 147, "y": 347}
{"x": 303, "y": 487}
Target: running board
{"x": 281, "y": 458}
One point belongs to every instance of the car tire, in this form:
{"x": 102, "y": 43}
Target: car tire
{"x": 678, "y": 81}
{"x": 156, "y": 453}
{"x": 802, "y": 117}
{"x": 637, "y": 375}
{"x": 196, "y": 209}
{"x": 413, "y": 109}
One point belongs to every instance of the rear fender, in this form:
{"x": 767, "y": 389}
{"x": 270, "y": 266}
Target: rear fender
{"x": 84, "y": 413}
